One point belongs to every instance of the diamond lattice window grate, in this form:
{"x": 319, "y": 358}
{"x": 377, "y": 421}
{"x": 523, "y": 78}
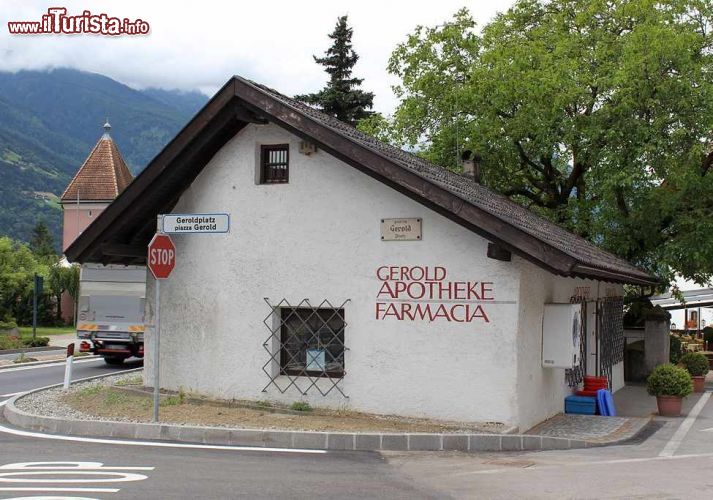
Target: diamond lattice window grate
{"x": 611, "y": 334}
{"x": 306, "y": 346}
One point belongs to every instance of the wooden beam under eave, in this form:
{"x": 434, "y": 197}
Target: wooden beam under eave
{"x": 119, "y": 250}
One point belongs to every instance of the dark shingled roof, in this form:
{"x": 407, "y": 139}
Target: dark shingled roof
{"x": 242, "y": 101}
{"x": 477, "y": 194}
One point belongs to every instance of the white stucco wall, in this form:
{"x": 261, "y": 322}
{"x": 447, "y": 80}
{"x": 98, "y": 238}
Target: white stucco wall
{"x": 541, "y": 391}
{"x": 318, "y": 238}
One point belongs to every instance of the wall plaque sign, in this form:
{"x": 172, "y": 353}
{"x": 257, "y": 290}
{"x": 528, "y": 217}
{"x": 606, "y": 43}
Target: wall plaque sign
{"x": 401, "y": 229}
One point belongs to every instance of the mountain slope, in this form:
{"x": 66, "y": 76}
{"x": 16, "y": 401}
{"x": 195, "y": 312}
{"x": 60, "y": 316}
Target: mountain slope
{"x": 49, "y": 122}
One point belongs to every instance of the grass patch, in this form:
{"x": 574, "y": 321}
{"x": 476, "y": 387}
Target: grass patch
{"x": 174, "y": 400}
{"x": 117, "y": 403}
{"x": 115, "y": 398}
{"x": 301, "y": 406}
{"x": 23, "y": 358}
{"x": 89, "y": 391}
{"x": 171, "y": 401}
{"x": 133, "y": 380}
{"x": 26, "y": 331}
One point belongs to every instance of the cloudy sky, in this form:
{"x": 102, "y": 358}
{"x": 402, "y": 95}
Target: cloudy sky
{"x": 198, "y": 45}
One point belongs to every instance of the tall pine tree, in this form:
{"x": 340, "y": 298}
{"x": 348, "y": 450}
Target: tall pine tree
{"x": 342, "y": 97}
{"x": 41, "y": 242}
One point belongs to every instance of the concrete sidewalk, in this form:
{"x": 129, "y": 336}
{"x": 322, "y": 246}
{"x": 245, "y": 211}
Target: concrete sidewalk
{"x": 634, "y": 401}
{"x": 64, "y": 340}
{"x": 635, "y": 409}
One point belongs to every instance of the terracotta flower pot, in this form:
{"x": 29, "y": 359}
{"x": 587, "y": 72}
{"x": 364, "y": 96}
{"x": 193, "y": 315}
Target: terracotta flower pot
{"x": 699, "y": 383}
{"x": 669, "y": 406}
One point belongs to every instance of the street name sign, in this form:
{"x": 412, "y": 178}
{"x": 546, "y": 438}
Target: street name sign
{"x": 196, "y": 223}
{"x": 162, "y": 256}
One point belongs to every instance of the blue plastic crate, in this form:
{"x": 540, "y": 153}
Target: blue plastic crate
{"x": 580, "y": 405}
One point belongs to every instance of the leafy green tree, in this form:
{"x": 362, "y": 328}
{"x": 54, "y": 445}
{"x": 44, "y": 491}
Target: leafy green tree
{"x": 18, "y": 266}
{"x": 598, "y": 114}
{"x": 342, "y": 96}
{"x": 41, "y": 241}
{"x": 63, "y": 279}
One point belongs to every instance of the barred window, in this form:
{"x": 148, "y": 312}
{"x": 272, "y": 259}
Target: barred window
{"x": 274, "y": 164}
{"x": 312, "y": 342}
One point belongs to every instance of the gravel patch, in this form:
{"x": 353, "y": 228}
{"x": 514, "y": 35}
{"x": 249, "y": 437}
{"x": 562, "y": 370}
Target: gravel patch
{"x": 52, "y": 403}
{"x": 48, "y": 403}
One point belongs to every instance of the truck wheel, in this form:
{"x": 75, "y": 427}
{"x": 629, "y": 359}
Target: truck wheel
{"x": 110, "y": 360}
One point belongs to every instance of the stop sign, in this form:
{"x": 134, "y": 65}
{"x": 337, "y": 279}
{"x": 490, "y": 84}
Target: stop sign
{"x": 162, "y": 256}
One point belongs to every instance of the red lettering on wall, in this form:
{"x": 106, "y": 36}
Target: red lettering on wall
{"x": 421, "y": 293}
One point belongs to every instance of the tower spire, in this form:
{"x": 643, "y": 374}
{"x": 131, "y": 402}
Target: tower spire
{"x": 107, "y": 128}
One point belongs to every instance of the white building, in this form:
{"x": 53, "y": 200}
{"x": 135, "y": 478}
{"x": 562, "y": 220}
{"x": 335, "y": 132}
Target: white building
{"x": 693, "y": 310}
{"x": 355, "y": 274}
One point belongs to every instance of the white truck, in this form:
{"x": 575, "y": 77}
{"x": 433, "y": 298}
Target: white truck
{"x": 110, "y": 316}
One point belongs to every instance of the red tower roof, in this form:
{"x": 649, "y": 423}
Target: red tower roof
{"x": 103, "y": 175}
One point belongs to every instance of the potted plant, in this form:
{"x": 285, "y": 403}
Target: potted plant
{"x": 670, "y": 384}
{"x": 697, "y": 365}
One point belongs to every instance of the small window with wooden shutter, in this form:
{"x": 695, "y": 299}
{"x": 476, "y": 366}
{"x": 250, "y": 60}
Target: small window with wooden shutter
{"x": 274, "y": 164}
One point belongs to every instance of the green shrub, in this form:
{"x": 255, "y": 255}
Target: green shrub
{"x": 669, "y": 380}
{"x": 10, "y": 342}
{"x": 696, "y": 363}
{"x": 675, "y": 351}
{"x": 36, "y": 342}
{"x": 7, "y": 324}
{"x": 300, "y": 406}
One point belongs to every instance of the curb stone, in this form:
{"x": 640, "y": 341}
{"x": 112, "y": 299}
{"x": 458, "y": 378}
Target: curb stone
{"x": 47, "y": 362}
{"x": 28, "y": 350}
{"x": 348, "y": 441}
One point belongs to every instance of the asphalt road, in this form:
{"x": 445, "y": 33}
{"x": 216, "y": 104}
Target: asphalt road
{"x": 24, "y": 378}
{"x": 674, "y": 461}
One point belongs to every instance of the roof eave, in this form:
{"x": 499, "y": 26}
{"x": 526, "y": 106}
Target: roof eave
{"x": 97, "y": 232}
{"x": 615, "y": 277}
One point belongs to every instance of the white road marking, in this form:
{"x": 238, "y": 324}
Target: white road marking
{"x": 55, "y": 497}
{"x": 87, "y": 472}
{"x": 63, "y": 466}
{"x": 123, "y": 442}
{"x": 52, "y": 365}
{"x": 10, "y": 395}
{"x": 118, "y": 477}
{"x": 63, "y": 490}
{"x": 677, "y": 438}
{"x": 3, "y": 403}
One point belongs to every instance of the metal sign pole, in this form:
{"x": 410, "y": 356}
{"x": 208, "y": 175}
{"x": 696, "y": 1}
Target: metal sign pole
{"x": 34, "y": 309}
{"x": 157, "y": 329}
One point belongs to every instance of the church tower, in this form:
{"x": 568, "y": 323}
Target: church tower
{"x": 100, "y": 179}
